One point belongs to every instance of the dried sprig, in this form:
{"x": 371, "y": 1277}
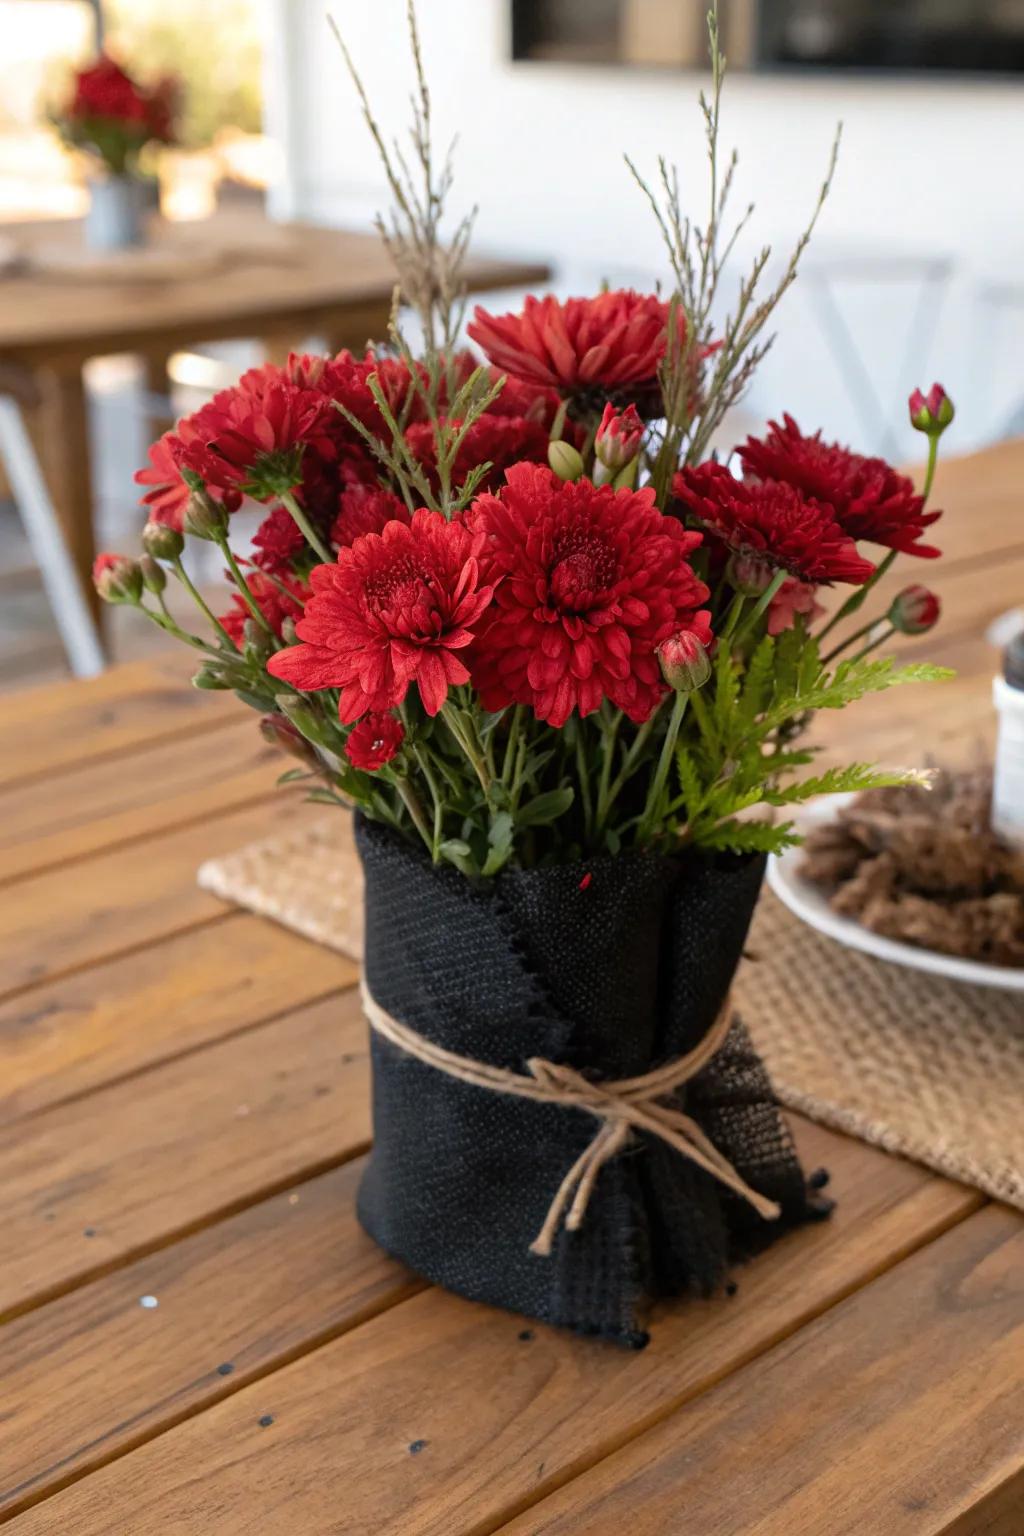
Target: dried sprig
{"x": 429, "y": 269}
{"x": 696, "y": 406}
{"x": 432, "y": 282}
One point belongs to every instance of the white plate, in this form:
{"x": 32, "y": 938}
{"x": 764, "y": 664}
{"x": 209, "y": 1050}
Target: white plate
{"x": 810, "y": 904}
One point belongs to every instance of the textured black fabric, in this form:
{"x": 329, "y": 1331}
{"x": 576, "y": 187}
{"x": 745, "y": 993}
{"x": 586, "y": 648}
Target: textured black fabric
{"x": 613, "y": 979}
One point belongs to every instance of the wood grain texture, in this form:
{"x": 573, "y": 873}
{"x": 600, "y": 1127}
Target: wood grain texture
{"x": 251, "y": 1293}
{"x": 59, "y": 728}
{"x": 107, "y": 1021}
{"x": 272, "y": 276}
{"x": 500, "y": 1411}
{"x": 160, "y": 785}
{"x": 138, "y": 894}
{"x": 91, "y": 1183}
{"x": 901, "y": 1411}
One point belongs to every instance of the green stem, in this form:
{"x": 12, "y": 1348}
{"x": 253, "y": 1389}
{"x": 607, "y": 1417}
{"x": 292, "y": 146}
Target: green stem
{"x": 929, "y": 474}
{"x": 668, "y": 746}
{"x": 762, "y": 604}
{"x": 873, "y": 644}
{"x": 583, "y": 780}
{"x": 610, "y": 732}
{"x": 703, "y": 720}
{"x": 200, "y": 602}
{"x": 474, "y": 757}
{"x": 511, "y": 744}
{"x": 412, "y": 805}
{"x": 857, "y": 598}
{"x": 165, "y": 622}
{"x": 424, "y": 766}
{"x": 629, "y": 763}
{"x": 310, "y": 534}
{"x": 858, "y": 634}
{"x": 242, "y": 585}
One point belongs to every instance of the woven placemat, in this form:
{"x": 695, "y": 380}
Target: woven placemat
{"x": 913, "y": 1063}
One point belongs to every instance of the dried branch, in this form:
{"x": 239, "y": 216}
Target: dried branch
{"x": 695, "y": 408}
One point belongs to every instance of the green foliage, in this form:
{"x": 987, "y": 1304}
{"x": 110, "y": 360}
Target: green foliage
{"x": 750, "y": 837}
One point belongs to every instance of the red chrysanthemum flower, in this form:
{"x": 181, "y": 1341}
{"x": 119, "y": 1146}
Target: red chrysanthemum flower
{"x": 278, "y": 542}
{"x": 495, "y": 440}
{"x": 167, "y": 496}
{"x": 252, "y": 438}
{"x": 595, "y": 347}
{"x": 770, "y": 521}
{"x": 872, "y": 500}
{"x": 395, "y": 610}
{"x": 365, "y": 509}
{"x": 374, "y": 741}
{"x": 275, "y": 605}
{"x": 589, "y": 581}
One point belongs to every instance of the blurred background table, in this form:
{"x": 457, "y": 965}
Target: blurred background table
{"x": 236, "y": 275}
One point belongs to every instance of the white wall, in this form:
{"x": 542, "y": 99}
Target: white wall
{"x": 927, "y": 168}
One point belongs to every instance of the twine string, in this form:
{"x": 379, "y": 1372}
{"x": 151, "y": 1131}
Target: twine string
{"x": 623, "y": 1106}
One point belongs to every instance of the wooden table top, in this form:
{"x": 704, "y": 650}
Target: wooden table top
{"x": 199, "y": 1341}
{"x": 247, "y": 271}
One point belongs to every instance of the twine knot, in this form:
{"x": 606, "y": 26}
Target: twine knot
{"x": 623, "y": 1106}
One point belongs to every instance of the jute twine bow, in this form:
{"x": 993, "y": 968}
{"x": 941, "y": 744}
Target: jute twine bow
{"x": 626, "y": 1105}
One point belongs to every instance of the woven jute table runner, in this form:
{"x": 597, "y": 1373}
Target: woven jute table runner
{"x": 916, "y": 1064}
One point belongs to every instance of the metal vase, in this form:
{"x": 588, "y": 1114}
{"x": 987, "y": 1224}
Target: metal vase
{"x": 114, "y": 218}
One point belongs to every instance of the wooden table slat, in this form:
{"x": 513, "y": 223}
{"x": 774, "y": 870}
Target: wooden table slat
{"x": 57, "y": 729}
{"x": 128, "y": 1014}
{"x": 139, "y": 894}
{"x": 129, "y": 1168}
{"x": 142, "y": 792}
{"x": 900, "y": 1411}
{"x": 251, "y": 1293}
{"x": 505, "y": 1411}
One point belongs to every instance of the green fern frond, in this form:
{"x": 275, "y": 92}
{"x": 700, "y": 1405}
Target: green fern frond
{"x": 748, "y": 837}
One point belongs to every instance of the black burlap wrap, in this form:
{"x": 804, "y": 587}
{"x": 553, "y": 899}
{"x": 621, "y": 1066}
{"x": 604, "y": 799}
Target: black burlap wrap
{"x": 611, "y": 979}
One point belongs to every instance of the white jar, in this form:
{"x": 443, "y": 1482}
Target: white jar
{"x": 1008, "y": 785}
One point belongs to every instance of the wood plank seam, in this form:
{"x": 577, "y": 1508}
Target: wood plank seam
{"x": 585, "y": 1462}
{"x": 120, "y": 1078}
{"x": 176, "y": 1234}
{"x": 197, "y": 727}
{"x": 138, "y": 838}
{"x": 231, "y": 1385}
{"x": 642, "y": 1426}
{"x": 81, "y": 966}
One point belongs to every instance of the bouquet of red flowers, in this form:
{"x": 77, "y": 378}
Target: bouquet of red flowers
{"x": 560, "y": 658}
{"x": 113, "y": 117}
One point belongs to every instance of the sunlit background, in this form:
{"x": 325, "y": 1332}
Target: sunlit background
{"x": 916, "y": 272}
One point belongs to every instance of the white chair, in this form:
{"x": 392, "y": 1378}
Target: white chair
{"x": 71, "y": 611}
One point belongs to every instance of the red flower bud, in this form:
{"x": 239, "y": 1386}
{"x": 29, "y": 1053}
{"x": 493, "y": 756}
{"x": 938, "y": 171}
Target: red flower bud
{"x": 153, "y": 578}
{"x": 117, "y": 579}
{"x": 618, "y": 437}
{"x": 931, "y": 413}
{"x": 750, "y": 575}
{"x": 204, "y": 517}
{"x": 162, "y": 541}
{"x": 374, "y": 741}
{"x": 914, "y": 611}
{"x": 280, "y": 733}
{"x": 685, "y": 664}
